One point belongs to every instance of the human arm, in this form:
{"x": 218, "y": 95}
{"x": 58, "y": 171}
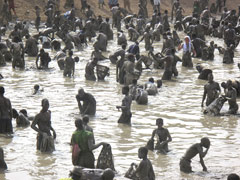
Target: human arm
{"x": 54, "y": 132}
{"x": 117, "y": 78}
{"x": 92, "y": 145}
{"x": 169, "y": 138}
{"x": 204, "y": 96}
{"x": 37, "y": 61}
{"x": 141, "y": 39}
{"x": 73, "y": 68}
{"x": 79, "y": 103}
{"x": 92, "y": 55}
{"x": 231, "y": 96}
{"x": 193, "y": 50}
{"x": 34, "y": 124}
{"x": 202, "y": 154}
{"x": 180, "y": 47}
{"x": 153, "y": 134}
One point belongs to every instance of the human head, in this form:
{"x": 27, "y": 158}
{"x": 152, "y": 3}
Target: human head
{"x": 14, "y": 113}
{"x": 134, "y": 81}
{"x": 108, "y": 174}
{"x": 81, "y": 92}
{"x": 224, "y": 85}
{"x": 85, "y": 119}
{"x": 199, "y": 67}
{"x": 27, "y": 36}
{"x": 42, "y": 51}
{"x": 79, "y": 124}
{"x": 205, "y": 142}
{"x": 151, "y": 80}
{"x": 142, "y": 152}
{"x": 36, "y": 87}
{"x": 24, "y": 112}
{"x": 125, "y": 90}
{"x": 76, "y": 59}
{"x": 76, "y": 173}
{"x": 159, "y": 122}
{"x": 210, "y": 77}
{"x": 131, "y": 57}
{"x": 233, "y": 176}
{"x": 45, "y": 104}
{"x": 124, "y": 46}
{"x": 229, "y": 84}
{"x": 187, "y": 39}
{"x": 70, "y": 53}
{"x": 2, "y": 90}
{"x": 159, "y": 83}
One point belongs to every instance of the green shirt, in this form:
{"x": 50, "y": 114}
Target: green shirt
{"x": 81, "y": 138}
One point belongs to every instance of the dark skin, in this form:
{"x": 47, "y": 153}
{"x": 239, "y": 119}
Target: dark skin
{"x": 211, "y": 90}
{"x": 163, "y": 135}
{"x": 88, "y": 103}
{"x": 168, "y": 62}
{"x": 127, "y": 106}
{"x": 89, "y": 70}
{"x": 69, "y": 68}
{"x": 42, "y": 121}
{"x": 145, "y": 167}
{"x": 231, "y": 96}
{"x": 197, "y": 149}
{"x": 5, "y": 107}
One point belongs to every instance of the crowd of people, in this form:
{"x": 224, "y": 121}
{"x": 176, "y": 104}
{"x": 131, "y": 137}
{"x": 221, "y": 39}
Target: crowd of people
{"x": 76, "y": 33}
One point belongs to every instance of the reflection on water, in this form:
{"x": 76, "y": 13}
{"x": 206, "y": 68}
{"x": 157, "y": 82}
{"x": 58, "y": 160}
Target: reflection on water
{"x": 178, "y": 103}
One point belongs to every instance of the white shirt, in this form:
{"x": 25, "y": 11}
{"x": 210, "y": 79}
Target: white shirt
{"x": 156, "y": 2}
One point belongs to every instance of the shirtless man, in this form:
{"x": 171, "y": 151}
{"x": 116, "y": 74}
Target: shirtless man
{"x": 17, "y": 51}
{"x": 185, "y": 162}
{"x": 89, "y": 103}
{"x": 231, "y": 96}
{"x": 168, "y": 62}
{"x": 119, "y": 53}
{"x": 21, "y": 118}
{"x": 144, "y": 170}
{"x": 6, "y": 113}
{"x": 31, "y": 46}
{"x": 164, "y": 137}
{"x": 96, "y": 53}
{"x": 203, "y": 72}
{"x": 69, "y": 65}
{"x": 44, "y": 60}
{"x": 126, "y": 115}
{"x": 89, "y": 70}
{"x": 42, "y": 124}
{"x": 211, "y": 90}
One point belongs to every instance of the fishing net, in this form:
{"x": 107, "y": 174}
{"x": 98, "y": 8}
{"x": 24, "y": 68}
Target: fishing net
{"x": 102, "y": 72}
{"x": 131, "y": 173}
{"x": 47, "y": 143}
{"x": 215, "y": 107}
{"x": 105, "y": 158}
{"x": 150, "y": 145}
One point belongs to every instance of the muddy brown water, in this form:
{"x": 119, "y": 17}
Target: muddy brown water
{"x": 178, "y": 103}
